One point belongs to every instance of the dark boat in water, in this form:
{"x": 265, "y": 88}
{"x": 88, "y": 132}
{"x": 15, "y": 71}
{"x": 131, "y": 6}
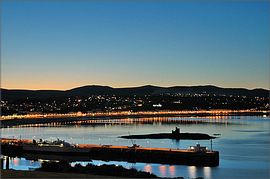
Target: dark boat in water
{"x": 175, "y": 134}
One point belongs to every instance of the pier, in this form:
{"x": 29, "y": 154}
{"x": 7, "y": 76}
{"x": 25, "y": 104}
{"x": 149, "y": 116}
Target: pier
{"x": 135, "y": 153}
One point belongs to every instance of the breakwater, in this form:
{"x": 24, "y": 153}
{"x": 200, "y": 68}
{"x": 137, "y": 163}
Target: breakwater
{"x": 113, "y": 153}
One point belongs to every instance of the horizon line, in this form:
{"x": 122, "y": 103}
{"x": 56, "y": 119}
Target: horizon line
{"x": 115, "y": 87}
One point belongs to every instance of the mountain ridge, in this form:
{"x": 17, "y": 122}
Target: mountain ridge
{"x": 88, "y": 90}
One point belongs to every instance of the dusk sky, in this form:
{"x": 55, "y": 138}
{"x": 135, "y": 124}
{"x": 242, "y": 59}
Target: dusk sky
{"x": 66, "y": 44}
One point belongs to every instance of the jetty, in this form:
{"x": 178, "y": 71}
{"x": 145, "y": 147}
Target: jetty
{"x": 195, "y": 155}
{"x": 175, "y": 134}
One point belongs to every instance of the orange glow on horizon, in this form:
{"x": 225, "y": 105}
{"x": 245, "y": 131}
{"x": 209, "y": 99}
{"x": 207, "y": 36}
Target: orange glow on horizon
{"x": 43, "y": 85}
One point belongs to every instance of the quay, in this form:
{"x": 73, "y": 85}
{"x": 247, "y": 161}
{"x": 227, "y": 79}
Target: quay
{"x": 195, "y": 156}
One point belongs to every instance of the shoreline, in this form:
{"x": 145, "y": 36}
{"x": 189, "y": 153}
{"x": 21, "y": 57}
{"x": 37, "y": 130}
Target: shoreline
{"x": 132, "y": 113}
{"x": 15, "y": 120}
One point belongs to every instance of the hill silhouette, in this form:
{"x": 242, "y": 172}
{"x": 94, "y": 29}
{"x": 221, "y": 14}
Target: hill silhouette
{"x": 14, "y": 94}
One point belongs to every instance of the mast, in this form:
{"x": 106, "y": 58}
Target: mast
{"x": 211, "y": 144}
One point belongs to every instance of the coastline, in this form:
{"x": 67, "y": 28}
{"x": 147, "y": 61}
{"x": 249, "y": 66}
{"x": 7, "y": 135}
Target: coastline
{"x": 14, "y": 120}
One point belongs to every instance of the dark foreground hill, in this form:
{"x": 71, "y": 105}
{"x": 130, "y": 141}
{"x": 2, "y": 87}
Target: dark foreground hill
{"x": 84, "y": 91}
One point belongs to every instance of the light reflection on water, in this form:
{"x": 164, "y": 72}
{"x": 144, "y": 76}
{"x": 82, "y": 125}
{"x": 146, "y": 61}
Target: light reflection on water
{"x": 148, "y": 168}
{"x": 192, "y": 171}
{"x": 207, "y": 172}
{"x": 225, "y": 120}
{"x": 172, "y": 170}
{"x": 243, "y": 147}
{"x": 162, "y": 170}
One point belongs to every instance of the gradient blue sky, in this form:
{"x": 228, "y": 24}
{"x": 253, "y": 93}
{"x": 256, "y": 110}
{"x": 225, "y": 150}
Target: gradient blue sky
{"x": 63, "y": 44}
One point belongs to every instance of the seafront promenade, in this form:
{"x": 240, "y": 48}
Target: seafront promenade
{"x": 134, "y": 114}
{"x": 117, "y": 117}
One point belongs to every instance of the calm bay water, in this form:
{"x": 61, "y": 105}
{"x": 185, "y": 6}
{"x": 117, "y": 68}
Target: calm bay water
{"x": 244, "y": 144}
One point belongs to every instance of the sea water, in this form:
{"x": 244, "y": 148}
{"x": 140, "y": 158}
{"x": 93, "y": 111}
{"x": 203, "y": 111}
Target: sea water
{"x": 243, "y": 143}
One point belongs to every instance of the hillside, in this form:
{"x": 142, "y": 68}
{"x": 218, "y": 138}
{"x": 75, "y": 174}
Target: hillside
{"x": 10, "y": 94}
